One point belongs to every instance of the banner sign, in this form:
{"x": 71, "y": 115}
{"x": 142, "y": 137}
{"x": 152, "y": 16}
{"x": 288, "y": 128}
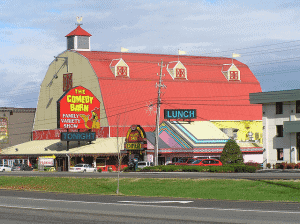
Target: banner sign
{"x": 78, "y": 108}
{"x": 180, "y": 114}
{"x": 3, "y": 130}
{"x": 46, "y": 161}
{"x": 78, "y": 136}
{"x": 136, "y": 138}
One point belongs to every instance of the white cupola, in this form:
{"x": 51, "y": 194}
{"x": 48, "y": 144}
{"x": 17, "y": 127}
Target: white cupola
{"x": 78, "y": 40}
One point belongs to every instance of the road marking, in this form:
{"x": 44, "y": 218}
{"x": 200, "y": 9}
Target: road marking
{"x": 156, "y": 202}
{"x": 158, "y": 206}
{"x": 17, "y": 206}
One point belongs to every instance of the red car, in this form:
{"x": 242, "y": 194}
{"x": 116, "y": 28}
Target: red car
{"x": 187, "y": 162}
{"x": 206, "y": 162}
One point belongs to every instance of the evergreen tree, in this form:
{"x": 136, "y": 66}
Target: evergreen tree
{"x": 231, "y": 153}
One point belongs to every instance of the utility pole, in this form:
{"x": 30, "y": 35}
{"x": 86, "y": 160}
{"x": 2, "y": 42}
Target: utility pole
{"x": 158, "y": 115}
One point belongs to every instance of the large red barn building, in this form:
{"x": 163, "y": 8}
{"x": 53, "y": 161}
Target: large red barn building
{"x": 125, "y": 85}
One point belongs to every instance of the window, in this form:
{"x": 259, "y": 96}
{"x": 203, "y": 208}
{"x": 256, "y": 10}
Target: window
{"x": 298, "y": 106}
{"x": 180, "y": 73}
{"x": 67, "y": 82}
{"x": 279, "y": 130}
{"x": 279, "y": 108}
{"x": 234, "y": 75}
{"x": 121, "y": 71}
{"x": 279, "y": 154}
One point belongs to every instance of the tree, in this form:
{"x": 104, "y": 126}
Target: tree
{"x": 231, "y": 153}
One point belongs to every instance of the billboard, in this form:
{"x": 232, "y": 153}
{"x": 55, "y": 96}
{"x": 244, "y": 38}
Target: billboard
{"x": 3, "y": 130}
{"x": 136, "y": 138}
{"x": 78, "y": 108}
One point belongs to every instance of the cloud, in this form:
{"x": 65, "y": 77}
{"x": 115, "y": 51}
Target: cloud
{"x": 32, "y": 32}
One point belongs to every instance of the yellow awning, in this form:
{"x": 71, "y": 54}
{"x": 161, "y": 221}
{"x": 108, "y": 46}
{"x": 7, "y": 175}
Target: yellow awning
{"x": 55, "y": 147}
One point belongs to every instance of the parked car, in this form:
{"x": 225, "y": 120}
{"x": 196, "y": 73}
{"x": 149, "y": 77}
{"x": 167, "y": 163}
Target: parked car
{"x": 181, "y": 161}
{"x": 142, "y": 164}
{"x": 206, "y": 162}
{"x": 16, "y": 167}
{"x": 5, "y": 168}
{"x": 187, "y": 162}
{"x": 25, "y": 167}
{"x": 82, "y": 167}
{"x": 21, "y": 167}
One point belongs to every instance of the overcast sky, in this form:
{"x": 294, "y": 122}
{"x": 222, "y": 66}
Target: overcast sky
{"x": 32, "y": 32}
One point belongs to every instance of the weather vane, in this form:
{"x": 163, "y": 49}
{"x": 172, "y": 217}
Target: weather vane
{"x": 79, "y": 19}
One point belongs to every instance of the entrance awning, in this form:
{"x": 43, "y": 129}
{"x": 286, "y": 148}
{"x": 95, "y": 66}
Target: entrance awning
{"x": 291, "y": 126}
{"x": 56, "y": 147}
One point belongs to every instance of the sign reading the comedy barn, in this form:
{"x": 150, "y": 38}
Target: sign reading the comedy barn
{"x": 136, "y": 138}
{"x": 78, "y": 108}
{"x": 180, "y": 114}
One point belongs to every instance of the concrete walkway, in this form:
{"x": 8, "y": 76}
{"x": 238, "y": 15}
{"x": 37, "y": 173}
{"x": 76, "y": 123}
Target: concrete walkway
{"x": 278, "y": 171}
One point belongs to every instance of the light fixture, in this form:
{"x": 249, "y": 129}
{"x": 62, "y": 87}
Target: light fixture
{"x": 16, "y": 149}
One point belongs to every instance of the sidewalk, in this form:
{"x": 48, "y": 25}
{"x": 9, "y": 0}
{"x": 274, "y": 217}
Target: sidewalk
{"x": 278, "y": 171}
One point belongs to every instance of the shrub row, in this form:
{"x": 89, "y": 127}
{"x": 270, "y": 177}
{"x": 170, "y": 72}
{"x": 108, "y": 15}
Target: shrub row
{"x": 285, "y": 165}
{"x": 220, "y": 169}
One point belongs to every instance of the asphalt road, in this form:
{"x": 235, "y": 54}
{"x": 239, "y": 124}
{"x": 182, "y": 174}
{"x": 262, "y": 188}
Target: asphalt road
{"x": 36, "y": 207}
{"x": 260, "y": 175}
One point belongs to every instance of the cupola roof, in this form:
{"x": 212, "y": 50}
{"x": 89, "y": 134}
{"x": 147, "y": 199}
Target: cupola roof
{"x": 79, "y": 32}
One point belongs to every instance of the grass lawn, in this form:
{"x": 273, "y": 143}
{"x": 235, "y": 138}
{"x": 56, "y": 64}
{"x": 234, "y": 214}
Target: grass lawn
{"x": 252, "y": 190}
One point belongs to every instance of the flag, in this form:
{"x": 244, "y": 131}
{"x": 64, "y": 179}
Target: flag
{"x": 124, "y": 49}
{"x": 235, "y": 55}
{"x": 181, "y": 52}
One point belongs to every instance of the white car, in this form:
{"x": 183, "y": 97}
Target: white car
{"x": 5, "y": 168}
{"x": 142, "y": 164}
{"x": 81, "y": 167}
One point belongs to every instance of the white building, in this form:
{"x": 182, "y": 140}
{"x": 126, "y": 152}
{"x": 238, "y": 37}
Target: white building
{"x": 281, "y": 125}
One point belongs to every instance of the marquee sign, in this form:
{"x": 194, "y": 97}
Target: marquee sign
{"x": 78, "y": 108}
{"x": 78, "y": 136}
{"x": 136, "y": 138}
{"x": 3, "y": 130}
{"x": 180, "y": 114}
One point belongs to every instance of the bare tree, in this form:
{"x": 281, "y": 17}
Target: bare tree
{"x": 120, "y": 143}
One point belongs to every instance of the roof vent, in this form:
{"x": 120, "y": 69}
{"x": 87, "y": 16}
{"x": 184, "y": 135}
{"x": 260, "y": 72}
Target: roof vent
{"x": 119, "y": 68}
{"x": 177, "y": 70}
{"x": 231, "y": 72}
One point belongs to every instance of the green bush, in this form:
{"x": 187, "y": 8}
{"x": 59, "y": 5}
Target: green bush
{"x": 291, "y": 165}
{"x": 99, "y": 170}
{"x": 126, "y": 169}
{"x": 221, "y": 169}
{"x": 256, "y": 165}
{"x": 283, "y": 165}
{"x": 231, "y": 153}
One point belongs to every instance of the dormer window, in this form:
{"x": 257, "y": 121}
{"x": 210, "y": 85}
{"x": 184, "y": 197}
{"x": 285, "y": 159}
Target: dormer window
{"x": 177, "y": 70}
{"x": 119, "y": 68}
{"x": 122, "y": 70}
{"x": 231, "y": 72}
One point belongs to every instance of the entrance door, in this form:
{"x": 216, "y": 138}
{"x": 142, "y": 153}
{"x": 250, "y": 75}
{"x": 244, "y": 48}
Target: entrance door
{"x": 161, "y": 160}
{"x": 62, "y": 164}
{"x": 298, "y": 145}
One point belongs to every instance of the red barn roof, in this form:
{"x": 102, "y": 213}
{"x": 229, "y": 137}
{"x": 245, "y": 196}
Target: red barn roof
{"x": 206, "y": 89}
{"x": 79, "y": 32}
